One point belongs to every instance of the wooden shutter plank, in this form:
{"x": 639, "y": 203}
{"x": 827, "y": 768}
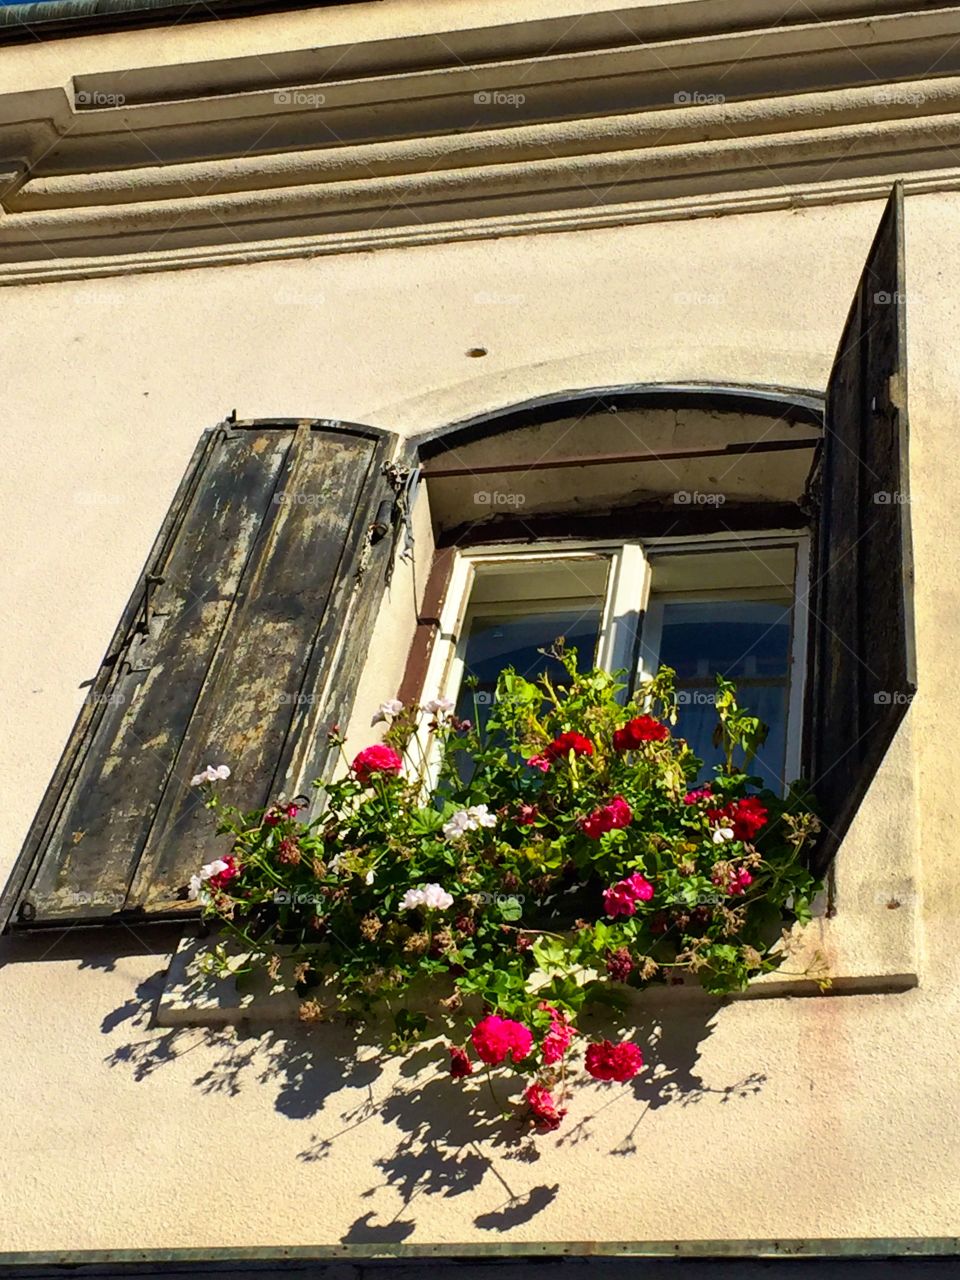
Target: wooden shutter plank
{"x": 257, "y": 691}
{"x": 102, "y": 828}
{"x": 864, "y": 670}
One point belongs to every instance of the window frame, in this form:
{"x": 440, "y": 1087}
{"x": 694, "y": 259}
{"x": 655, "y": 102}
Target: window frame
{"x": 629, "y": 589}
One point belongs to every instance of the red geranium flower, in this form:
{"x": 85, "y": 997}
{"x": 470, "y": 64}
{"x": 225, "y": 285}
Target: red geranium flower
{"x": 621, "y": 898}
{"x": 608, "y": 817}
{"x": 557, "y": 1040}
{"x": 460, "y": 1064}
{"x": 223, "y": 878}
{"x": 376, "y": 759}
{"x": 608, "y": 1061}
{"x": 637, "y": 731}
{"x": 746, "y": 816}
{"x": 560, "y": 748}
{"x": 494, "y": 1038}
{"x": 528, "y": 815}
{"x": 544, "y": 1109}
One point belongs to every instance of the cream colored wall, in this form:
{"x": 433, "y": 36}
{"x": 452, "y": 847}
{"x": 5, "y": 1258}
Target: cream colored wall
{"x": 775, "y": 1118}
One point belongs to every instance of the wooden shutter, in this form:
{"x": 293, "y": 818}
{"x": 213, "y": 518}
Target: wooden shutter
{"x": 240, "y": 646}
{"x": 863, "y": 674}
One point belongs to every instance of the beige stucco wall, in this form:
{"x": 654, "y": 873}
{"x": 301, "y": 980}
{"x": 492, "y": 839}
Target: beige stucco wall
{"x": 774, "y": 1118}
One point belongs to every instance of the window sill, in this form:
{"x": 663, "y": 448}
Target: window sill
{"x": 864, "y": 937}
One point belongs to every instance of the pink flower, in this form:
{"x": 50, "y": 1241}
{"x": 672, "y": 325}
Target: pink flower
{"x": 701, "y": 793}
{"x": 460, "y": 1064}
{"x": 292, "y": 810}
{"x": 621, "y": 898}
{"x": 271, "y": 818}
{"x": 528, "y": 815}
{"x": 543, "y": 1108}
{"x": 494, "y": 1038}
{"x": 557, "y": 1040}
{"x": 608, "y": 1061}
{"x": 736, "y": 883}
{"x": 608, "y": 817}
{"x": 376, "y": 759}
{"x": 539, "y": 762}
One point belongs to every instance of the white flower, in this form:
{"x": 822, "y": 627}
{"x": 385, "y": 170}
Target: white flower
{"x": 212, "y": 773}
{"x": 478, "y": 815}
{"x": 721, "y": 834}
{"x": 431, "y": 896}
{"x": 387, "y": 711}
{"x": 438, "y": 706}
{"x": 435, "y": 898}
{"x": 368, "y": 878}
{"x": 334, "y": 863}
{"x": 481, "y": 816}
{"x": 196, "y": 891}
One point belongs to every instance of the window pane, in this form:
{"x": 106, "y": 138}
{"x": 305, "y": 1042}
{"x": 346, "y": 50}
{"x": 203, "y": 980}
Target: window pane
{"x": 743, "y": 640}
{"x": 735, "y": 638}
{"x": 514, "y": 640}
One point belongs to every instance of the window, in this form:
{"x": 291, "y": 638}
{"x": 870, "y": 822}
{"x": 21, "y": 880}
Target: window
{"x": 727, "y": 606}
{"x": 247, "y": 632}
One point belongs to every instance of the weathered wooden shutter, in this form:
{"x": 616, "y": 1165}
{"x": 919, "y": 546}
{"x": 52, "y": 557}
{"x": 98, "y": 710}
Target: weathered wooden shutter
{"x": 240, "y": 646}
{"x": 863, "y": 666}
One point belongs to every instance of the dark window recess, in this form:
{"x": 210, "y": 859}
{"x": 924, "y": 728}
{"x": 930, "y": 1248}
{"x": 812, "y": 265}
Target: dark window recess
{"x": 863, "y": 673}
{"x": 241, "y": 644}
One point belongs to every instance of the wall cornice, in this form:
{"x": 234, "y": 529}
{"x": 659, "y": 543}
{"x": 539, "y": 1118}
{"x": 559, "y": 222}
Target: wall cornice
{"x": 146, "y": 167}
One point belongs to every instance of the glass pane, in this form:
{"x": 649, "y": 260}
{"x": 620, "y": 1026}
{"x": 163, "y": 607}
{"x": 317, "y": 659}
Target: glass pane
{"x": 735, "y": 638}
{"x": 747, "y": 641}
{"x": 514, "y": 640}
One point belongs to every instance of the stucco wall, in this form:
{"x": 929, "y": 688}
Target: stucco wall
{"x": 821, "y": 1116}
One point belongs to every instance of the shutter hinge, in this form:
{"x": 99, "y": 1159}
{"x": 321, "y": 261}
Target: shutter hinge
{"x": 392, "y": 513}
{"x": 151, "y": 581}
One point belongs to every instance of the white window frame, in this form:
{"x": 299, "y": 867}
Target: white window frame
{"x": 628, "y": 591}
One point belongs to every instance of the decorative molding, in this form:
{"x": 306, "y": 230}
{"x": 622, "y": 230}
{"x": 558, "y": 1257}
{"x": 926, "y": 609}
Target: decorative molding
{"x": 159, "y": 168}
{"x": 321, "y": 245}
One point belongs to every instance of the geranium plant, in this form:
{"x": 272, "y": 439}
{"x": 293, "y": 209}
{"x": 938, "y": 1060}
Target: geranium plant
{"x": 528, "y": 869}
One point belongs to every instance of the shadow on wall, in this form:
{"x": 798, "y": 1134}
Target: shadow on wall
{"x": 451, "y": 1136}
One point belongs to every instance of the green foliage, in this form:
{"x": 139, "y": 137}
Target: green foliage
{"x": 531, "y": 922}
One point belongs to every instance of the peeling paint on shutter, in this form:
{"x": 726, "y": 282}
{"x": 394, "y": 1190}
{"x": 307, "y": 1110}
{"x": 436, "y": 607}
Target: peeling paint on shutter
{"x": 864, "y": 672}
{"x": 231, "y": 651}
